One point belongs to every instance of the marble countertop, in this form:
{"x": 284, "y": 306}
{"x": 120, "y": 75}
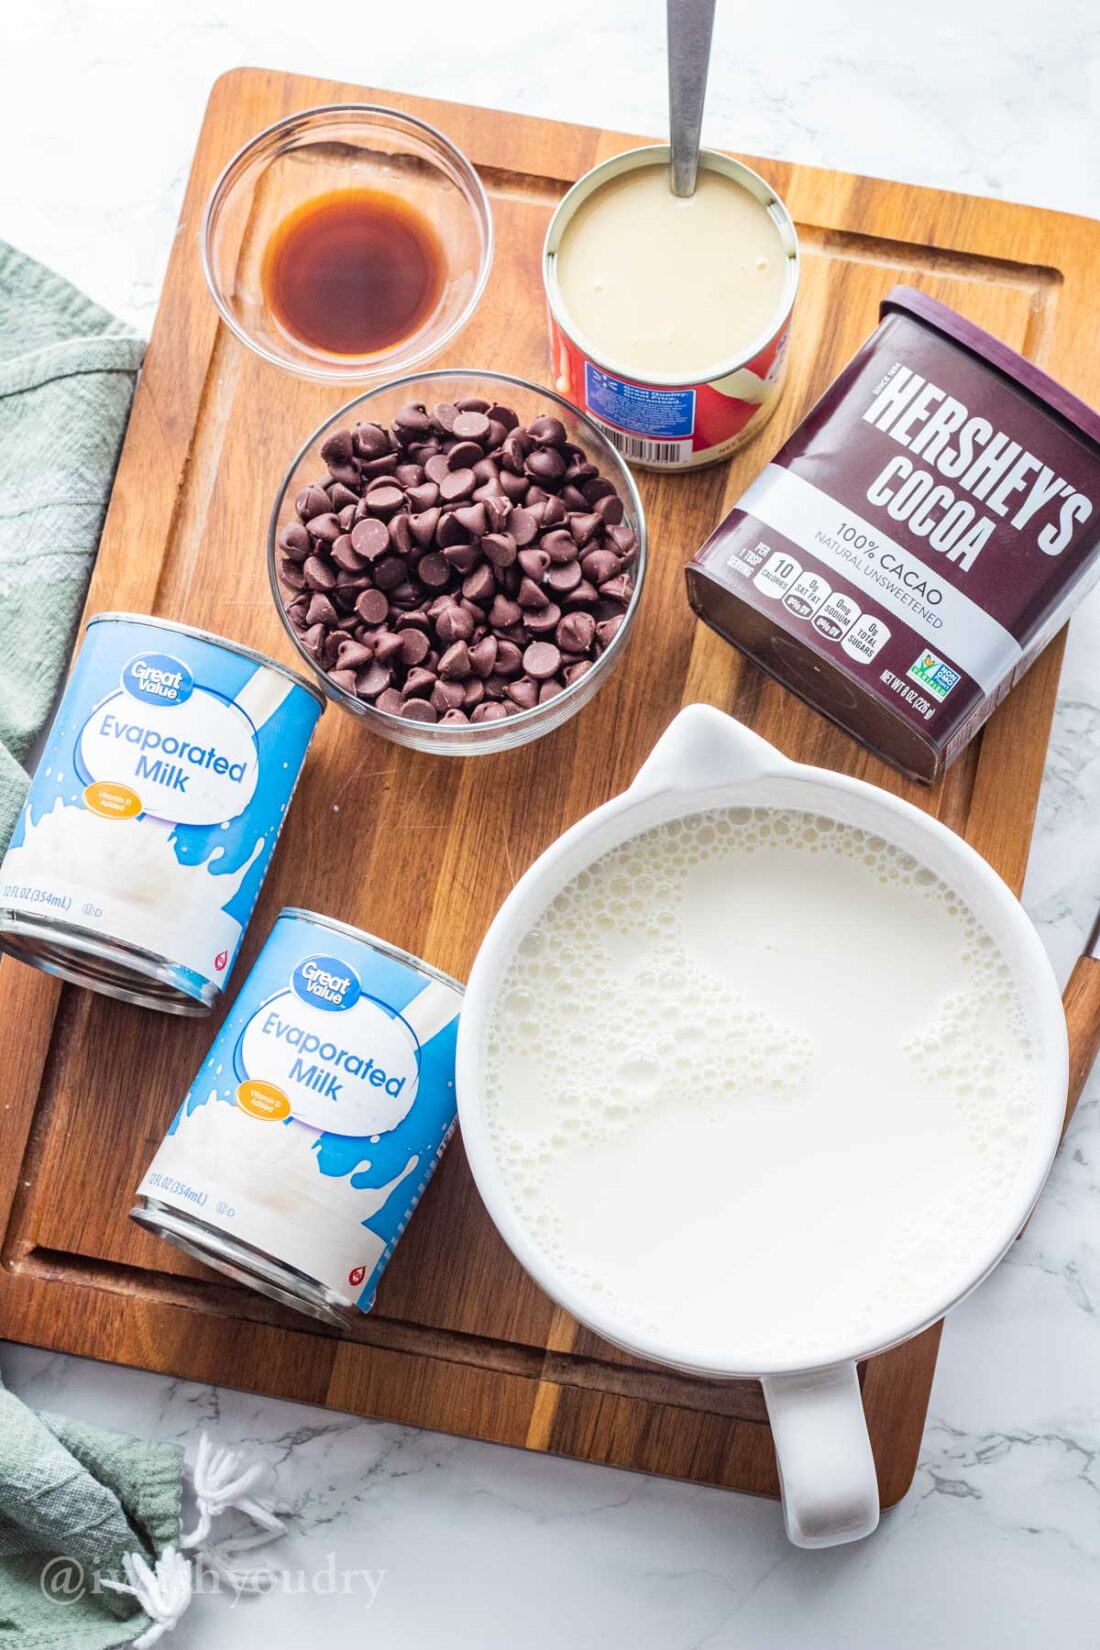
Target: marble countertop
{"x": 998, "y": 1543}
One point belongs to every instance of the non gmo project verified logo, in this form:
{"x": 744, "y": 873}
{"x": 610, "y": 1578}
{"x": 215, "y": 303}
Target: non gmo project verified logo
{"x": 933, "y": 674}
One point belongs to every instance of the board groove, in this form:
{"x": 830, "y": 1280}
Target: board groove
{"x": 422, "y": 850}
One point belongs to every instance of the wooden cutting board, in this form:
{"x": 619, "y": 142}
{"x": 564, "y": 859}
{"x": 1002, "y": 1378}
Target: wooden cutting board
{"x": 422, "y": 850}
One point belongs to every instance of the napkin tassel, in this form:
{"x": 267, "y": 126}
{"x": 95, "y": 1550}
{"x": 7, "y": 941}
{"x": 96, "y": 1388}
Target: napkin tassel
{"x": 221, "y": 1483}
{"x": 163, "y": 1592}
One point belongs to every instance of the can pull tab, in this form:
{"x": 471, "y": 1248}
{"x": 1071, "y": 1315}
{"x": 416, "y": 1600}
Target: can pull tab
{"x": 702, "y": 748}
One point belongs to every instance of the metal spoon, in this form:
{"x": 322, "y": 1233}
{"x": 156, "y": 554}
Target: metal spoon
{"x": 690, "y": 26}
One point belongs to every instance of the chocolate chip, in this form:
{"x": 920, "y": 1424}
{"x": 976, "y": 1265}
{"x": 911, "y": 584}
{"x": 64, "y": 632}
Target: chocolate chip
{"x": 433, "y": 571}
{"x": 457, "y": 484}
{"x": 541, "y": 659}
{"x": 372, "y": 606}
{"x": 318, "y": 574}
{"x": 541, "y": 621}
{"x": 616, "y": 589}
{"x": 599, "y": 565}
{"x": 474, "y": 518}
{"x": 488, "y": 712}
{"x": 454, "y": 625}
{"x": 311, "y": 502}
{"x": 447, "y": 696}
{"x": 547, "y": 431}
{"x": 470, "y": 426}
{"x": 535, "y": 563}
{"x": 370, "y": 538}
{"x": 419, "y": 710}
{"x": 576, "y": 632}
{"x": 423, "y": 525}
{"x": 523, "y": 693}
{"x": 464, "y": 455}
{"x": 370, "y": 682}
{"x": 327, "y": 528}
{"x": 565, "y": 577}
{"x": 370, "y": 440}
{"x": 455, "y": 664}
{"x": 295, "y": 541}
{"x": 509, "y": 659}
{"x": 479, "y": 586}
{"x": 530, "y": 595}
{"x": 418, "y": 682}
{"x": 559, "y": 546}
{"x": 500, "y": 548}
{"x": 415, "y": 647}
{"x": 483, "y": 656}
{"x": 504, "y": 613}
{"x": 388, "y": 646}
{"x": 545, "y": 464}
{"x": 384, "y": 500}
{"x": 411, "y": 421}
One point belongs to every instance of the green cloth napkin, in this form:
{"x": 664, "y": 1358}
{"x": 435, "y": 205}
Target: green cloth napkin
{"x": 67, "y": 376}
{"x": 74, "y": 1499}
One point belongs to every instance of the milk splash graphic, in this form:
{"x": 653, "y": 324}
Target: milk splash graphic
{"x": 759, "y": 1069}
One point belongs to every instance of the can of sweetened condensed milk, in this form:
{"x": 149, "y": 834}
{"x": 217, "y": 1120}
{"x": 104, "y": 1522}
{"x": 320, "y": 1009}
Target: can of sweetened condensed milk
{"x": 669, "y": 315}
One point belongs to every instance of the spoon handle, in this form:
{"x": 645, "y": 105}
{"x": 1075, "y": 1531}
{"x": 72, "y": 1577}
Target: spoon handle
{"x": 690, "y": 26}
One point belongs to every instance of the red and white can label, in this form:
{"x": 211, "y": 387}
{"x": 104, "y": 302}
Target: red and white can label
{"x": 679, "y": 427}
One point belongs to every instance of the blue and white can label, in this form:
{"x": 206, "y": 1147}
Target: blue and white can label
{"x": 320, "y": 1112}
{"x": 159, "y": 797}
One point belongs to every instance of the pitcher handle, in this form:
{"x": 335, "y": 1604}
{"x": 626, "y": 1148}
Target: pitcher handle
{"x": 826, "y": 1469}
{"x": 703, "y": 747}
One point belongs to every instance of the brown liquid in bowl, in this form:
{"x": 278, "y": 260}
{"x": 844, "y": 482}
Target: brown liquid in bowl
{"x": 353, "y": 272}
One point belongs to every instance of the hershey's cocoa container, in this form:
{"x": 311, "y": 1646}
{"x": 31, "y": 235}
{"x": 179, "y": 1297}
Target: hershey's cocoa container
{"x": 918, "y": 540}
{"x": 661, "y": 422}
{"x": 154, "y": 812}
{"x": 314, "y": 1124}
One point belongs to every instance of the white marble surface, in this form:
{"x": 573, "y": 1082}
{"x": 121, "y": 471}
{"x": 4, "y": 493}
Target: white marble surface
{"x": 998, "y": 1545}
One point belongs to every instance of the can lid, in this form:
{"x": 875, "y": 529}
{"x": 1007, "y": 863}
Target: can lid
{"x": 298, "y": 913}
{"x": 906, "y": 300}
{"x": 216, "y": 641}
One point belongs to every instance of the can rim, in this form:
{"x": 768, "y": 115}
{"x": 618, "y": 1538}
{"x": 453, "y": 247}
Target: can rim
{"x": 300, "y": 913}
{"x": 200, "y": 635}
{"x": 629, "y": 160}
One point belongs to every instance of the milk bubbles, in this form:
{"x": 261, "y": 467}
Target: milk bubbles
{"x": 760, "y": 1083}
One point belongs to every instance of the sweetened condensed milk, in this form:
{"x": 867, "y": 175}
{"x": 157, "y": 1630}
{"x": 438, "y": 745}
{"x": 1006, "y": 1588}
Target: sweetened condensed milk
{"x": 761, "y": 1085}
{"x": 668, "y": 316}
{"x": 664, "y": 284}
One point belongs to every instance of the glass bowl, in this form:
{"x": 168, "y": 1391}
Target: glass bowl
{"x": 320, "y": 152}
{"x": 529, "y": 400}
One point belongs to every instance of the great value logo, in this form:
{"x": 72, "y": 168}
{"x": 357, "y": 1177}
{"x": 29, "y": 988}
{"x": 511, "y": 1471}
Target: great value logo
{"x": 158, "y": 679}
{"x": 326, "y": 982}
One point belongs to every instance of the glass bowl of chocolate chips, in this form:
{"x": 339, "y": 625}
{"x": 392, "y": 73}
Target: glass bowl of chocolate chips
{"x": 458, "y": 557}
